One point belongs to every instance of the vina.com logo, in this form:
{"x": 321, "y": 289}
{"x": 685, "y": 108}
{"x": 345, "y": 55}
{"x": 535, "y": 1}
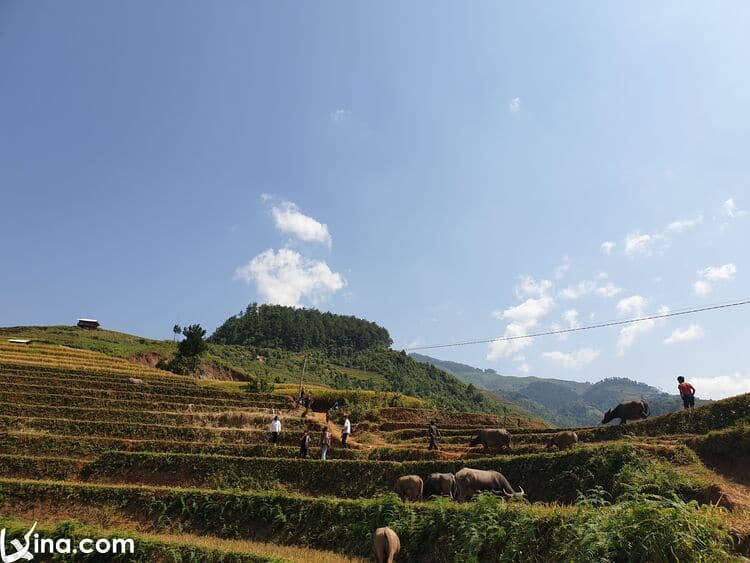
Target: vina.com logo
{"x": 35, "y": 544}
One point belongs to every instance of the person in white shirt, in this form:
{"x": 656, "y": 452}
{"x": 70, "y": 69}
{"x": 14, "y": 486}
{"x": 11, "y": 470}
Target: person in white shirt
{"x": 275, "y": 430}
{"x": 346, "y": 431}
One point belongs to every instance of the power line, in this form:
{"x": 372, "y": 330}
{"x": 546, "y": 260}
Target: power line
{"x": 587, "y": 327}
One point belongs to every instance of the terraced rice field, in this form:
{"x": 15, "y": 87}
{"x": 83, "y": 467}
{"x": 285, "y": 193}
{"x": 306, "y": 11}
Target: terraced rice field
{"x": 185, "y": 468}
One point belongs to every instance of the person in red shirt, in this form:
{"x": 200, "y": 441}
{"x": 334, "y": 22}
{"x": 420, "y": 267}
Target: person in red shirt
{"x": 687, "y": 392}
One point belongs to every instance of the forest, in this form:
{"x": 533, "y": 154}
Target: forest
{"x": 298, "y": 329}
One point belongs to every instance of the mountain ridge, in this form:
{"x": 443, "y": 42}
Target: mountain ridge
{"x": 559, "y": 401}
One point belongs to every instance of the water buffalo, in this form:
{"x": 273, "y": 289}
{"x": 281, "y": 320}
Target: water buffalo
{"x": 386, "y": 545}
{"x": 471, "y": 481}
{"x": 563, "y": 440}
{"x": 409, "y": 487}
{"x": 439, "y": 484}
{"x": 495, "y": 439}
{"x": 631, "y": 410}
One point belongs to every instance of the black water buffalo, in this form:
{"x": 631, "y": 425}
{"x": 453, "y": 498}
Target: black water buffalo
{"x": 471, "y": 481}
{"x": 439, "y": 484}
{"x": 494, "y": 439}
{"x": 630, "y": 410}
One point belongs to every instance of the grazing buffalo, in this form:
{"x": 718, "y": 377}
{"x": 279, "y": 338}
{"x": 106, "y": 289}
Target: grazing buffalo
{"x": 409, "y": 487}
{"x": 631, "y": 410}
{"x": 439, "y": 484}
{"x": 386, "y": 545}
{"x": 494, "y": 439}
{"x": 563, "y": 440}
{"x": 471, "y": 481}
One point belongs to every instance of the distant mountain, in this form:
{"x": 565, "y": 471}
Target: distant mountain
{"x": 559, "y": 401}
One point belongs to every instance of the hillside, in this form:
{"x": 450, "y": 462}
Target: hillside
{"x": 297, "y": 329}
{"x": 373, "y": 369}
{"x": 183, "y": 467}
{"x": 562, "y": 402}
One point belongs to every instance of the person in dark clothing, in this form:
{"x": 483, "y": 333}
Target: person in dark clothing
{"x": 308, "y": 403}
{"x": 687, "y": 392}
{"x": 304, "y": 445}
{"x": 434, "y": 435}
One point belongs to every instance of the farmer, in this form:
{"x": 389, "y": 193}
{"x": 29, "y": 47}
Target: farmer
{"x": 687, "y": 392}
{"x": 275, "y": 430}
{"x": 304, "y": 445}
{"x": 325, "y": 443}
{"x": 434, "y": 435}
{"x": 346, "y": 430}
{"x": 308, "y": 403}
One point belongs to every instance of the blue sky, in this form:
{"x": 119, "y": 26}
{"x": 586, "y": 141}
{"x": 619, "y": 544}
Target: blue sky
{"x": 431, "y": 167}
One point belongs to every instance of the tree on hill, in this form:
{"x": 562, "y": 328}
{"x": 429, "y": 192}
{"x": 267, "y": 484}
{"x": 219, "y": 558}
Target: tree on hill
{"x": 176, "y": 329}
{"x": 189, "y": 350}
{"x": 297, "y": 329}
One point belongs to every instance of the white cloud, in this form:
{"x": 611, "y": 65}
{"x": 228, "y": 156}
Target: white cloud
{"x": 631, "y": 306}
{"x": 528, "y": 286}
{"x": 340, "y": 115}
{"x": 729, "y": 209}
{"x": 693, "y": 332}
{"x": 684, "y": 225}
{"x": 643, "y": 244}
{"x": 504, "y": 348}
{"x": 522, "y": 317}
{"x": 608, "y": 247}
{"x": 721, "y": 386}
{"x": 718, "y": 273}
{"x": 524, "y": 367}
{"x": 572, "y": 360}
{"x": 571, "y": 317}
{"x": 289, "y": 219}
{"x": 286, "y": 278}
{"x": 608, "y": 290}
{"x": 712, "y": 274}
{"x": 563, "y": 268}
{"x": 583, "y": 288}
{"x": 515, "y": 105}
{"x": 577, "y": 291}
{"x": 528, "y": 313}
{"x": 702, "y": 288}
{"x": 414, "y": 343}
{"x": 634, "y": 306}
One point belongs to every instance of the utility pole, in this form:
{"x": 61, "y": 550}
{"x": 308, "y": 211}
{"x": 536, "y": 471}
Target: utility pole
{"x": 302, "y": 377}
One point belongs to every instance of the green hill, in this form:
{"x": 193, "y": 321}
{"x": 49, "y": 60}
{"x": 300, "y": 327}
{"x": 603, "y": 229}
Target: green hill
{"x": 110, "y": 447}
{"x": 337, "y": 367}
{"x": 562, "y": 402}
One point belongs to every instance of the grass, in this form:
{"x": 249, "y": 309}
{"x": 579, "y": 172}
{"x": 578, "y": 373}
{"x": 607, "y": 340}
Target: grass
{"x": 645, "y": 527}
{"x": 631, "y": 493}
{"x": 181, "y": 547}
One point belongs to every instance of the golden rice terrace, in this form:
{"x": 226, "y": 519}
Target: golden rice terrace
{"x": 96, "y": 444}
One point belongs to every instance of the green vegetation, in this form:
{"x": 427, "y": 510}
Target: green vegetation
{"x": 184, "y": 465}
{"x": 547, "y": 477}
{"x": 651, "y": 528}
{"x": 562, "y": 402}
{"x": 190, "y": 351}
{"x": 295, "y": 329}
{"x": 148, "y": 548}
